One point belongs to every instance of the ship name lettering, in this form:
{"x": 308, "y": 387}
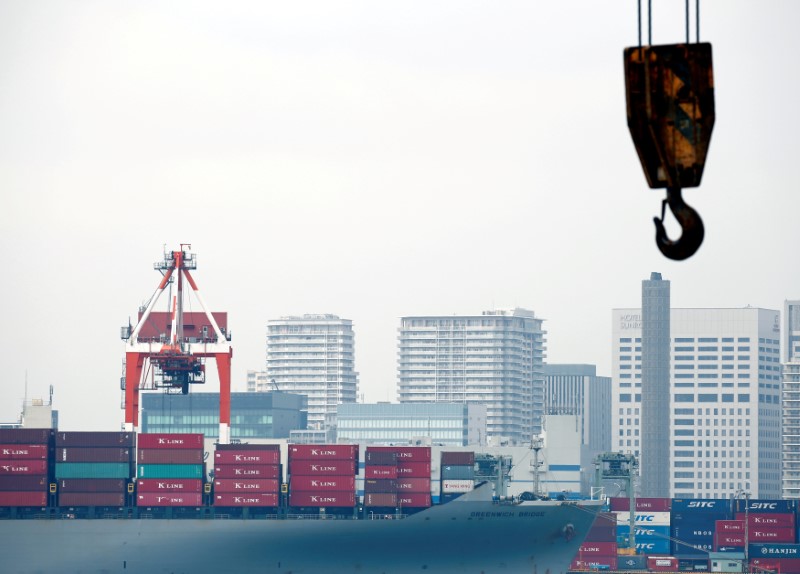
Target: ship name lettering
{"x": 492, "y": 514}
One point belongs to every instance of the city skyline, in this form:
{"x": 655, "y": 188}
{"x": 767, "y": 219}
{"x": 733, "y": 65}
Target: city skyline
{"x": 366, "y": 160}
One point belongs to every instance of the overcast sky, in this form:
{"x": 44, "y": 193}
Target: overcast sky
{"x": 371, "y": 160}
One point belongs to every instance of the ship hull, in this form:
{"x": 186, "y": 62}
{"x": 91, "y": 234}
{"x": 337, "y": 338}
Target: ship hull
{"x": 459, "y": 537}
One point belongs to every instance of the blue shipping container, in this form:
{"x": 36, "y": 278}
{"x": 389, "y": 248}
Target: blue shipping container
{"x": 774, "y": 550}
{"x": 645, "y": 532}
{"x": 765, "y": 506}
{"x": 653, "y": 547}
{"x": 692, "y": 505}
{"x": 453, "y": 472}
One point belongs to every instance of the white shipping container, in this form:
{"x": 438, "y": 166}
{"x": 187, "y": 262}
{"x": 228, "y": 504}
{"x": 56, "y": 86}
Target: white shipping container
{"x": 457, "y": 486}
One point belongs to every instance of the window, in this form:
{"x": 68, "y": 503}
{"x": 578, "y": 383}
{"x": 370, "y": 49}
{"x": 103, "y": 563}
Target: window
{"x": 684, "y": 398}
{"x": 707, "y": 398}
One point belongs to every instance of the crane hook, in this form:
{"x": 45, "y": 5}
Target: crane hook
{"x": 691, "y": 224}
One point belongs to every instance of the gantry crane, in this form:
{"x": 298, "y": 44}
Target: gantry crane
{"x": 168, "y": 349}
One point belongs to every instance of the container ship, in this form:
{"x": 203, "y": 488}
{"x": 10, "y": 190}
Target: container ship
{"x": 156, "y": 503}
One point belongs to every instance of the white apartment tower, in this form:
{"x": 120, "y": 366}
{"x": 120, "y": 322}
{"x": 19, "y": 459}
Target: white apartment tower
{"x": 313, "y": 355}
{"x": 791, "y": 400}
{"x": 494, "y": 359}
{"x": 724, "y": 408}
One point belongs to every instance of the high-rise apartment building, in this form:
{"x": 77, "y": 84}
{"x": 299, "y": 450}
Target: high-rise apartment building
{"x": 791, "y": 400}
{"x": 312, "y": 355}
{"x": 724, "y": 409}
{"x": 495, "y": 359}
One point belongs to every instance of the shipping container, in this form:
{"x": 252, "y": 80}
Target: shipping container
{"x": 380, "y": 457}
{"x": 728, "y": 540}
{"x": 774, "y": 550}
{"x": 170, "y": 440}
{"x": 93, "y": 470}
{"x": 22, "y": 467}
{"x": 27, "y": 436}
{"x": 645, "y": 532}
{"x": 322, "y": 483}
{"x": 635, "y": 562}
{"x": 662, "y": 563}
{"x": 248, "y": 499}
{"x": 729, "y": 526}
{"x": 380, "y": 485}
{"x": 242, "y": 457}
{"x": 95, "y": 439}
{"x": 764, "y": 506}
{"x": 460, "y": 458}
{"x": 169, "y": 499}
{"x": 94, "y": 454}
{"x": 92, "y": 485}
{"x": 170, "y": 471}
{"x": 653, "y": 546}
{"x": 413, "y": 470}
{"x": 380, "y": 499}
{"x": 380, "y": 472}
{"x": 23, "y": 498}
{"x": 91, "y": 499}
{"x": 248, "y": 446}
{"x": 695, "y": 506}
{"x": 169, "y": 456}
{"x": 169, "y": 485}
{"x": 458, "y": 472}
{"x": 645, "y": 518}
{"x": 595, "y": 563}
{"x": 782, "y": 565}
{"x": 325, "y": 468}
{"x": 414, "y": 499}
{"x": 252, "y": 485}
{"x": 588, "y": 549}
{"x": 456, "y": 486}
{"x": 413, "y": 485}
{"x": 23, "y": 451}
{"x": 323, "y": 452}
{"x": 247, "y": 471}
{"x": 23, "y": 482}
{"x": 772, "y": 534}
{"x": 767, "y": 520}
{"x": 406, "y": 453}
{"x": 322, "y": 499}
{"x": 642, "y": 504}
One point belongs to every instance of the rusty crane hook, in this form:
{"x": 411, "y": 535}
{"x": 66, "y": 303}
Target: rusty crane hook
{"x": 691, "y": 224}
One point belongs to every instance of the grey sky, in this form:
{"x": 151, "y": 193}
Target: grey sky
{"x": 367, "y": 159}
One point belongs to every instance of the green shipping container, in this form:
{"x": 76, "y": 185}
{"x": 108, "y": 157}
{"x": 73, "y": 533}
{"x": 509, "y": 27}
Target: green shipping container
{"x": 93, "y": 470}
{"x": 170, "y": 471}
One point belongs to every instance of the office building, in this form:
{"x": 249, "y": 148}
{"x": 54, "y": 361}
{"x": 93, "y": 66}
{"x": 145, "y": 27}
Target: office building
{"x": 791, "y": 400}
{"x": 494, "y": 359}
{"x": 724, "y": 409}
{"x": 313, "y": 355}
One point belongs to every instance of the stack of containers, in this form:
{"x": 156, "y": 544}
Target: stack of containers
{"x": 599, "y": 548}
{"x": 729, "y": 536}
{"x": 323, "y": 476}
{"x": 775, "y": 557}
{"x": 651, "y": 524}
{"x": 24, "y": 454}
{"x": 768, "y": 521}
{"x": 380, "y": 474}
{"x": 693, "y": 522}
{"x": 412, "y": 487}
{"x": 247, "y": 475}
{"x": 93, "y": 468}
{"x": 457, "y": 472}
{"x": 170, "y": 469}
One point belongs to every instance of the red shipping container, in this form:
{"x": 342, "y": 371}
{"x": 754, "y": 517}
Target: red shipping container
{"x": 170, "y": 440}
{"x": 23, "y": 498}
{"x": 323, "y": 452}
{"x": 248, "y": 446}
{"x": 413, "y": 485}
{"x": 458, "y": 458}
{"x": 26, "y": 436}
{"x": 414, "y": 469}
{"x": 414, "y": 500}
{"x": 768, "y": 520}
{"x": 380, "y": 485}
{"x": 169, "y": 456}
{"x": 380, "y": 499}
{"x": 406, "y": 453}
{"x": 324, "y": 483}
{"x": 94, "y": 454}
{"x": 243, "y": 457}
{"x": 322, "y": 499}
{"x": 762, "y": 534}
{"x": 95, "y": 439}
{"x": 594, "y": 563}
{"x": 783, "y": 565}
{"x": 380, "y": 472}
{"x": 92, "y": 485}
{"x": 729, "y": 526}
{"x": 169, "y": 499}
{"x": 662, "y": 563}
{"x": 23, "y": 451}
{"x": 325, "y": 468}
{"x": 642, "y": 504}
{"x": 249, "y": 499}
{"x": 91, "y": 499}
{"x": 251, "y": 485}
{"x": 597, "y": 549}
{"x": 247, "y": 471}
{"x": 169, "y": 485}
{"x": 17, "y": 467}
{"x": 23, "y": 482}
{"x": 729, "y": 539}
